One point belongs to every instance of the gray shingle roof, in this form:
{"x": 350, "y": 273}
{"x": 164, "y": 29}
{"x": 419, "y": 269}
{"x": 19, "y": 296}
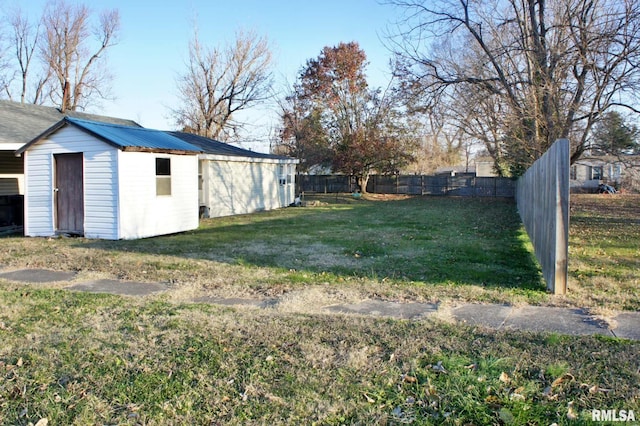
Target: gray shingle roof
{"x": 20, "y": 123}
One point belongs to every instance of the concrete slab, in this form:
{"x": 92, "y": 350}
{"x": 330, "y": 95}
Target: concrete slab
{"x": 237, "y": 301}
{"x": 38, "y": 276}
{"x": 387, "y": 309}
{"x": 560, "y": 320}
{"x": 491, "y": 316}
{"x": 125, "y": 288}
{"x": 628, "y": 325}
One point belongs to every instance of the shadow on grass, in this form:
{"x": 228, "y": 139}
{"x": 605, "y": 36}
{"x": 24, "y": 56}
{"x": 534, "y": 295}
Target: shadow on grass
{"x": 452, "y": 241}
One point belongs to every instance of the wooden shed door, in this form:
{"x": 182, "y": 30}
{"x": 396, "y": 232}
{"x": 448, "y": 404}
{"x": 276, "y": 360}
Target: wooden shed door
{"x": 69, "y": 193}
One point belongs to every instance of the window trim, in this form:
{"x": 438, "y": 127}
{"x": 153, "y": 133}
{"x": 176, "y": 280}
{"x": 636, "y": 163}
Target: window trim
{"x": 163, "y": 175}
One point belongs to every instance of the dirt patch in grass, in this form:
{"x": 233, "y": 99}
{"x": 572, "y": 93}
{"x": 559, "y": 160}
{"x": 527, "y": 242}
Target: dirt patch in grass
{"x": 299, "y": 256}
{"x": 386, "y": 197}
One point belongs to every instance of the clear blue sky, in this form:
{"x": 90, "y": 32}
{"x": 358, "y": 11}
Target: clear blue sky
{"x": 155, "y": 34}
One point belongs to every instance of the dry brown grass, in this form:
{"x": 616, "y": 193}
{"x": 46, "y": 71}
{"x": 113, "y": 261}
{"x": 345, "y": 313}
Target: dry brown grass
{"x": 604, "y": 252}
{"x": 322, "y": 255}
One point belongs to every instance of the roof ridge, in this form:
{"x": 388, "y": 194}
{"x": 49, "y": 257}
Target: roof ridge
{"x": 104, "y": 123}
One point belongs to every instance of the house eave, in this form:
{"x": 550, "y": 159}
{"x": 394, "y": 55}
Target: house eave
{"x": 10, "y": 146}
{"x": 240, "y": 159}
{"x": 158, "y": 150}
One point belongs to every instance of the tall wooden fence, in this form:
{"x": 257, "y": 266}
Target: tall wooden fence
{"x": 542, "y": 196}
{"x": 460, "y": 185}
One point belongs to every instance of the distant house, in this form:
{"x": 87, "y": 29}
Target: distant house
{"x": 233, "y": 180}
{"x": 109, "y": 181}
{"x": 485, "y": 167}
{"x": 480, "y": 167}
{"x": 588, "y": 172}
{"x": 456, "y": 171}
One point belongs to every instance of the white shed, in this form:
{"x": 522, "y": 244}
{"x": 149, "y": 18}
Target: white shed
{"x": 109, "y": 181}
{"x": 234, "y": 181}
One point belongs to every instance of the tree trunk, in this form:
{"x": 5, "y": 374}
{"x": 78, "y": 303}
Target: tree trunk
{"x": 362, "y": 181}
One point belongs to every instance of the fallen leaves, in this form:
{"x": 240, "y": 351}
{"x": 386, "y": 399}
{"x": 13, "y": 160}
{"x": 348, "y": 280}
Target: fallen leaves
{"x": 565, "y": 378}
{"x": 571, "y": 413}
{"x": 409, "y": 379}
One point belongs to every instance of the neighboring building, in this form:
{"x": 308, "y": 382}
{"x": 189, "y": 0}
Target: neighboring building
{"x": 480, "y": 167}
{"x": 485, "y": 167}
{"x": 459, "y": 170}
{"x": 234, "y": 181}
{"x": 109, "y": 181}
{"x": 587, "y": 173}
{"x": 19, "y": 124}
{"x": 119, "y": 178}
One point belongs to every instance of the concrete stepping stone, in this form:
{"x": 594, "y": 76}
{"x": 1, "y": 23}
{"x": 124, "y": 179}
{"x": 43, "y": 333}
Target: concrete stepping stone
{"x": 38, "y": 276}
{"x": 628, "y": 325}
{"x": 560, "y": 320}
{"x": 125, "y": 288}
{"x": 386, "y": 309}
{"x": 540, "y": 318}
{"x": 237, "y": 301}
{"x": 492, "y": 316}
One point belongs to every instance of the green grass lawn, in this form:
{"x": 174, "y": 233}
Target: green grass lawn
{"x": 423, "y": 248}
{"x": 431, "y": 249}
{"x": 77, "y": 358}
{"x": 95, "y": 359}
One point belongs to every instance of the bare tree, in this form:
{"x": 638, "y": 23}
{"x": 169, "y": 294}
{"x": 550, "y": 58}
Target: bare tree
{"x": 220, "y": 82}
{"x": 440, "y": 144}
{"x": 24, "y": 37}
{"x": 522, "y": 72}
{"x": 77, "y": 66}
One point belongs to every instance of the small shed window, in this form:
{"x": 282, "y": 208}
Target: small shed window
{"x": 289, "y": 174}
{"x": 163, "y": 176}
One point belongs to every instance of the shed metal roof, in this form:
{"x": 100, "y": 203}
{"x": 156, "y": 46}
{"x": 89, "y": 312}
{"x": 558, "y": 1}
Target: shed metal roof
{"x": 126, "y": 138}
{"x": 214, "y": 147}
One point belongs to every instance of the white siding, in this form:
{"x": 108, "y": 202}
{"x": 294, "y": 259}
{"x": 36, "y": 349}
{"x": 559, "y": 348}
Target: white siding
{"x": 38, "y": 197}
{"x": 142, "y": 212}
{"x": 239, "y": 187}
{"x": 100, "y": 194}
